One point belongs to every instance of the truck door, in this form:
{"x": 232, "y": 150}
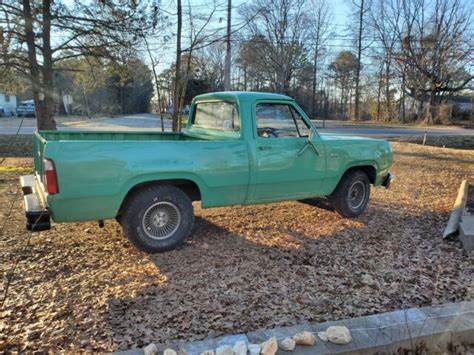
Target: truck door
{"x": 288, "y": 165}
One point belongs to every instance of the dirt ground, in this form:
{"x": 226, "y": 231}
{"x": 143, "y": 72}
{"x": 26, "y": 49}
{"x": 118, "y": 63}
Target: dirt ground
{"x": 79, "y": 287}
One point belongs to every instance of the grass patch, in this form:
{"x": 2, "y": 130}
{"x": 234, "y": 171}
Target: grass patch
{"x": 457, "y": 142}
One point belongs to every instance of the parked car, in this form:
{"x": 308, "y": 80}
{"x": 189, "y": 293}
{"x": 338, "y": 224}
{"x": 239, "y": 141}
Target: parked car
{"x": 240, "y": 148}
{"x": 26, "y": 109}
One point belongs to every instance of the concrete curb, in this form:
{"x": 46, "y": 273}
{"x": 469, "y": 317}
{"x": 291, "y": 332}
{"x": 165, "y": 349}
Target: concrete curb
{"x": 453, "y": 224}
{"x": 436, "y": 326}
{"x": 466, "y": 224}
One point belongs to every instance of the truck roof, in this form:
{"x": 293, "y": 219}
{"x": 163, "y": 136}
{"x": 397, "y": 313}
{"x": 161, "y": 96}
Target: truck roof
{"x": 241, "y": 96}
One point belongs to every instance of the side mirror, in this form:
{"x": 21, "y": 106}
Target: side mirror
{"x": 311, "y": 134}
{"x": 309, "y": 143}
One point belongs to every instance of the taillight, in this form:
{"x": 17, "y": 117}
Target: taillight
{"x": 50, "y": 177}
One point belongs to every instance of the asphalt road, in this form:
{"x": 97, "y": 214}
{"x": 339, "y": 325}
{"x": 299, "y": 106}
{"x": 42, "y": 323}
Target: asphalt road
{"x": 151, "y": 122}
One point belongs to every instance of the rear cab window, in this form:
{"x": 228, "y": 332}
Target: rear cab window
{"x": 217, "y": 116}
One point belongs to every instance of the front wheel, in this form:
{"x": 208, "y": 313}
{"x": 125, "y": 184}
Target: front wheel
{"x": 352, "y": 194}
{"x": 158, "y": 218}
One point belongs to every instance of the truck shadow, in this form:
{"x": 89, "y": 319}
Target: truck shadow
{"x": 322, "y": 203}
{"x": 229, "y": 279}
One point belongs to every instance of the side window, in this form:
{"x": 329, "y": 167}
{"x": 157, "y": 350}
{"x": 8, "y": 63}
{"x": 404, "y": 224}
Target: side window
{"x": 279, "y": 121}
{"x": 303, "y": 128}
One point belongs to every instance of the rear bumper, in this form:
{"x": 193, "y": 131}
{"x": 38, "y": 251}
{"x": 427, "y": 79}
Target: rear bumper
{"x": 37, "y": 215}
{"x": 387, "y": 180}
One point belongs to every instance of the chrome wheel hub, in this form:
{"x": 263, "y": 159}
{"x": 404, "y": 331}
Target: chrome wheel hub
{"x": 161, "y": 220}
{"x": 357, "y": 194}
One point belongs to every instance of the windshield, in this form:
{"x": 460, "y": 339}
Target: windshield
{"x": 221, "y": 116}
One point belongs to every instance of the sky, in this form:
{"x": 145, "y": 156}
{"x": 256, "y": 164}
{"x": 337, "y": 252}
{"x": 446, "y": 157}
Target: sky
{"x": 340, "y": 14}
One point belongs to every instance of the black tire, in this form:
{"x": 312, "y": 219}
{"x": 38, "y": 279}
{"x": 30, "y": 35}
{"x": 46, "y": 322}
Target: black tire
{"x": 352, "y": 194}
{"x": 158, "y": 218}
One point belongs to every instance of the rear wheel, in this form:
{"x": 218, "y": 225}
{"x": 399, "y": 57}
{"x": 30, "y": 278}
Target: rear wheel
{"x": 352, "y": 194}
{"x": 158, "y": 218}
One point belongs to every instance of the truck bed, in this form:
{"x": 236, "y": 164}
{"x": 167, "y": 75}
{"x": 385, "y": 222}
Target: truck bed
{"x": 96, "y": 170}
{"x": 43, "y": 137}
{"x": 112, "y": 136}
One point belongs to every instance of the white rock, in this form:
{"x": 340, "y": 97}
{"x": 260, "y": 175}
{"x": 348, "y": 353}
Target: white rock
{"x": 323, "y": 336}
{"x": 254, "y": 349}
{"x": 240, "y": 348}
{"x": 304, "y": 338}
{"x": 150, "y": 349}
{"x": 287, "y": 344}
{"x": 338, "y": 335}
{"x": 224, "y": 350}
{"x": 269, "y": 347}
{"x": 169, "y": 352}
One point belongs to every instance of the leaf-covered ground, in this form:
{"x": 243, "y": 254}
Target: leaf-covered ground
{"x": 79, "y": 287}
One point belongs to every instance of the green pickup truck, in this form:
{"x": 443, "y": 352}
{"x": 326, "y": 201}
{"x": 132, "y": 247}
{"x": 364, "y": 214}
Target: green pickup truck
{"x": 240, "y": 148}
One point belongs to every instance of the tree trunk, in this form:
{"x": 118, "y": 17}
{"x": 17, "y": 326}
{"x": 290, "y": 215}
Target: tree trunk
{"x": 402, "y": 103}
{"x": 245, "y": 79}
{"x": 48, "y": 83}
{"x": 315, "y": 75}
{"x": 176, "y": 113}
{"x": 431, "y": 113}
{"x": 157, "y": 84}
{"x": 184, "y": 86}
{"x": 387, "y": 90}
{"x": 41, "y": 79}
{"x": 379, "y": 89}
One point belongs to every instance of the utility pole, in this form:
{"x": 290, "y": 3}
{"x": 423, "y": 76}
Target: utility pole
{"x": 359, "y": 54}
{"x": 228, "y": 49}
{"x": 176, "y": 114}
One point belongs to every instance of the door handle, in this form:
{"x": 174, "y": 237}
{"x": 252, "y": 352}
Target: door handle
{"x": 264, "y": 148}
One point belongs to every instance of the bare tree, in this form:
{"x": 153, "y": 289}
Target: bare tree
{"x": 384, "y": 19}
{"x": 281, "y": 28}
{"x": 154, "y": 63}
{"x": 211, "y": 61}
{"x": 343, "y": 71}
{"x": 362, "y": 9}
{"x": 86, "y": 29}
{"x": 320, "y": 31}
{"x": 435, "y": 50}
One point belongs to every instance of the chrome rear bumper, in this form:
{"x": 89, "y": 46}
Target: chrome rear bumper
{"x": 36, "y": 212}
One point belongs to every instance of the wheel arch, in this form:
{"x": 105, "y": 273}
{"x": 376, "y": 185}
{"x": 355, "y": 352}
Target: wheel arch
{"x": 369, "y": 169}
{"x": 190, "y": 187}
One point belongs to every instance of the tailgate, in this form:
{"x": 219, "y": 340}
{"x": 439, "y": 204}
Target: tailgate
{"x": 34, "y": 200}
{"x": 39, "y": 142}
